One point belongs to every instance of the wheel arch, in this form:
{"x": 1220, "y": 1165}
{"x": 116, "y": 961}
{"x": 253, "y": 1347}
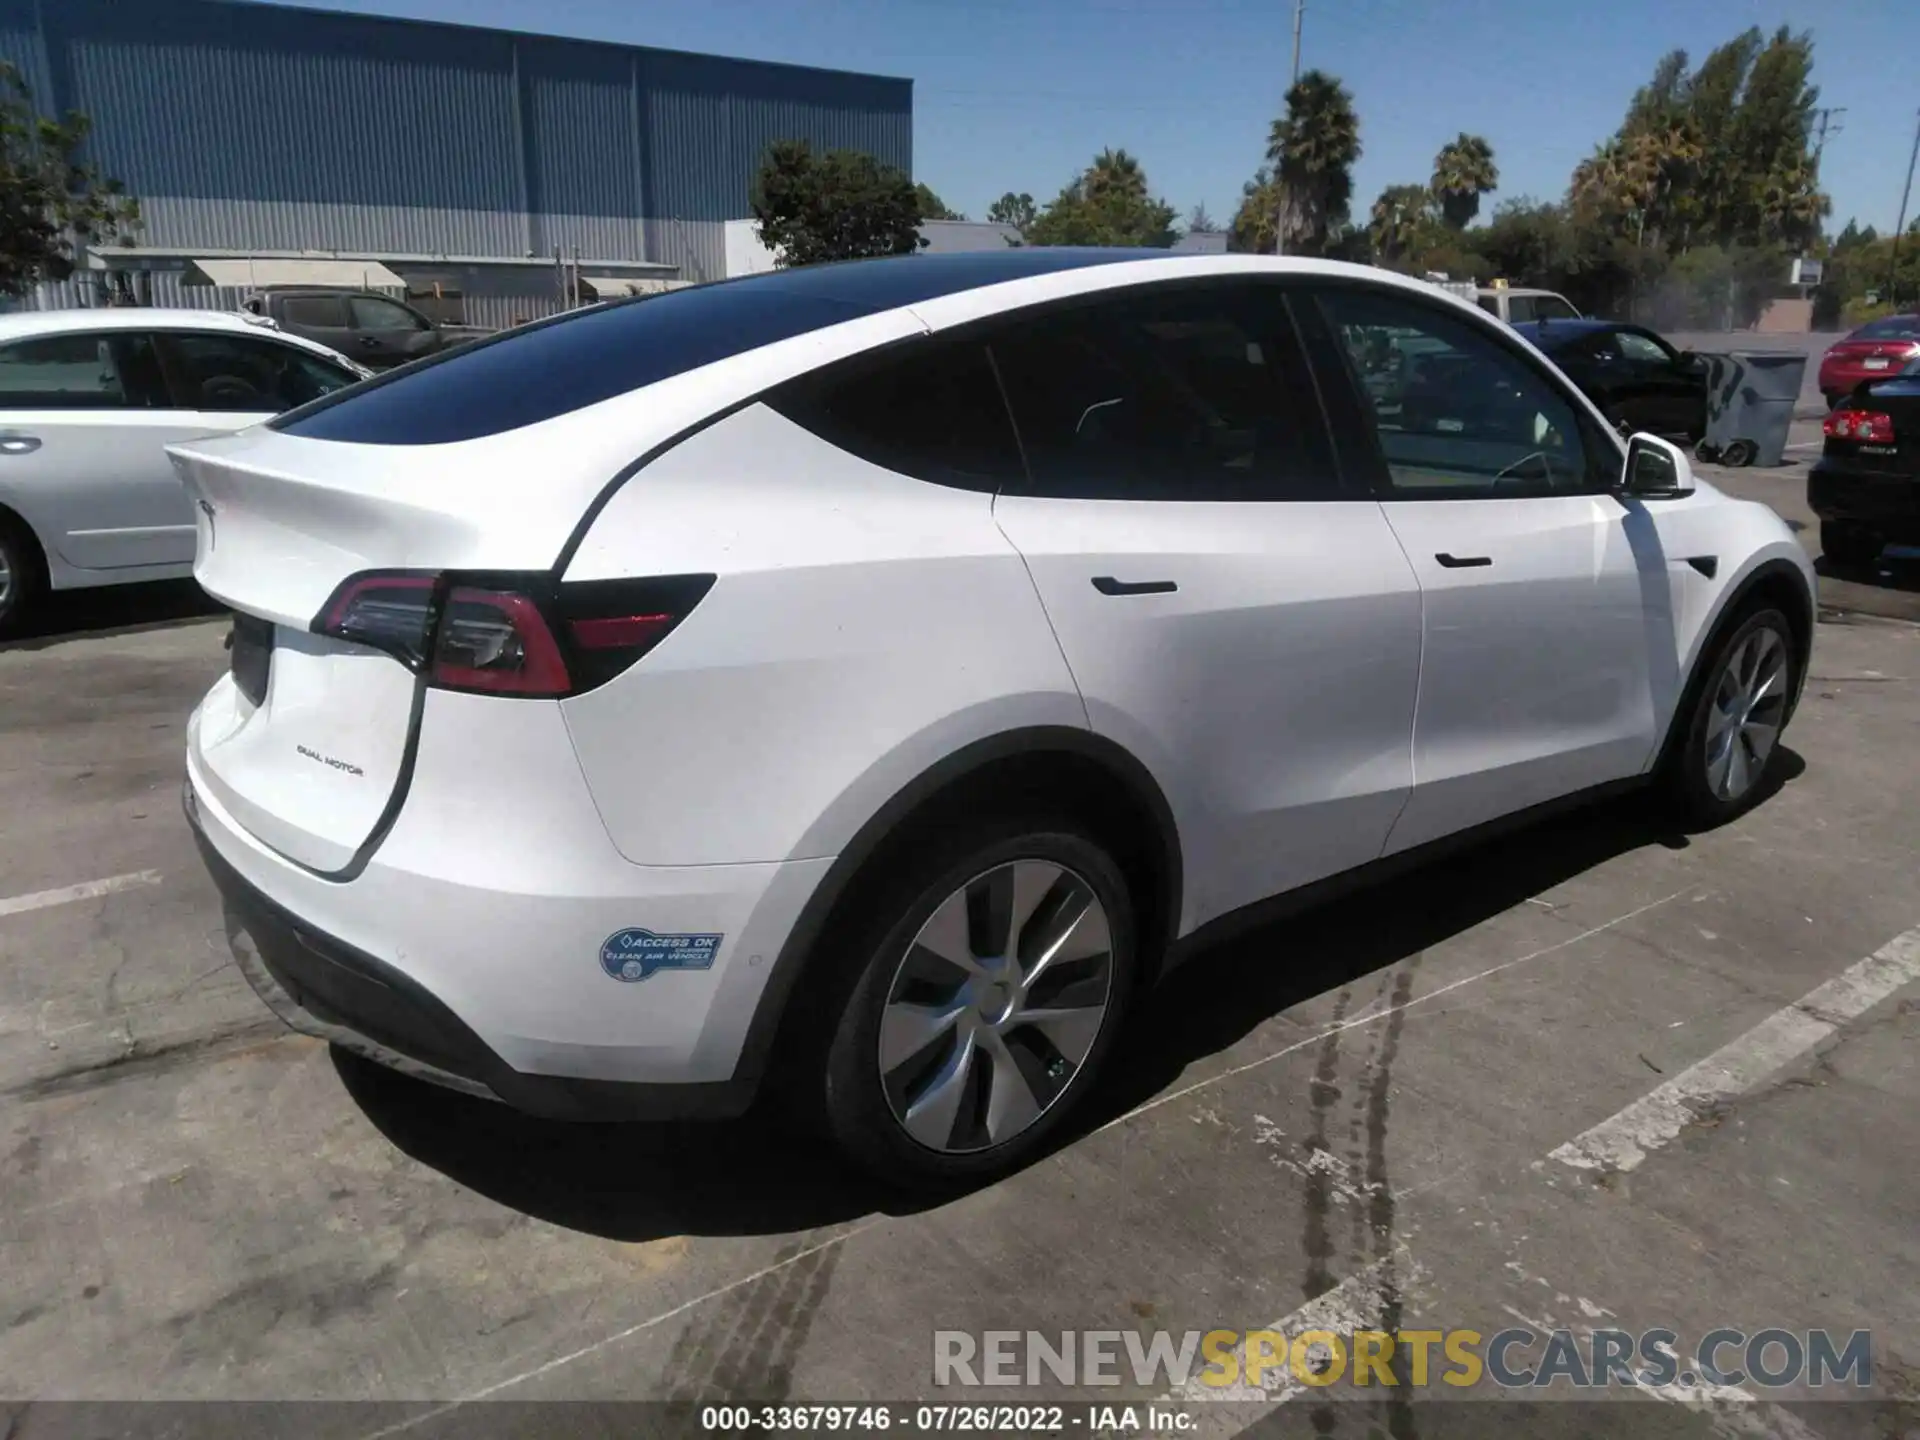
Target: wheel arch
{"x": 1777, "y": 582}
{"x": 1055, "y": 765}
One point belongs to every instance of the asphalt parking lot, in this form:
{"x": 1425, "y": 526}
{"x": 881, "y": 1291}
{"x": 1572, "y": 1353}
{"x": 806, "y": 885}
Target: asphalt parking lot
{"x": 1600, "y": 1073}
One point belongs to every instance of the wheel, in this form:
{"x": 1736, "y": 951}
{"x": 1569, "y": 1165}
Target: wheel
{"x": 22, "y": 576}
{"x": 1706, "y": 454}
{"x": 1733, "y": 729}
{"x": 1847, "y": 543}
{"x": 994, "y": 970}
{"x": 1739, "y": 453}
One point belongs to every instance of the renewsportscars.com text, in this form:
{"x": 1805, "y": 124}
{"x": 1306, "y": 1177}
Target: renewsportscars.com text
{"x": 1517, "y": 1358}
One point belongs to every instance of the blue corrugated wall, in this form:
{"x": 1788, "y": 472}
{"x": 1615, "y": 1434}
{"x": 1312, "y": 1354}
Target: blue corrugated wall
{"x": 256, "y": 126}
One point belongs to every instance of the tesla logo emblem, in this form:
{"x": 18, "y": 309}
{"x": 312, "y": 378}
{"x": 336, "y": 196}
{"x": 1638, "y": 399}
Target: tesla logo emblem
{"x": 207, "y": 510}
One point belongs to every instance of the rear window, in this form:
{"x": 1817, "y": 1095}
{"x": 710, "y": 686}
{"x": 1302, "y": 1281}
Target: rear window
{"x": 555, "y": 366}
{"x": 1894, "y": 327}
{"x": 575, "y": 360}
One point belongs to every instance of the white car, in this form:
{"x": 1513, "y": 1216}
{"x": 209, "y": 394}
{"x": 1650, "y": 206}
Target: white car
{"x": 89, "y": 401}
{"x": 858, "y": 683}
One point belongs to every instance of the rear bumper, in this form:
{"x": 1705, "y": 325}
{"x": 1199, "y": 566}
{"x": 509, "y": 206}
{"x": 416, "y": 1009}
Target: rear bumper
{"x": 470, "y": 949}
{"x": 1890, "y": 502}
{"x": 323, "y": 987}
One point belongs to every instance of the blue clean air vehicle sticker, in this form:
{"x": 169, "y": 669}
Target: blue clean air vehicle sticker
{"x": 634, "y": 954}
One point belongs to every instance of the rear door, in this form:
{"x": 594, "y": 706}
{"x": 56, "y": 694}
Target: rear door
{"x": 1535, "y": 676}
{"x": 1232, "y": 615}
{"x": 387, "y": 333}
{"x": 84, "y": 422}
{"x": 321, "y": 318}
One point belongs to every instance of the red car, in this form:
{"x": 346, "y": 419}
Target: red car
{"x": 1873, "y": 352}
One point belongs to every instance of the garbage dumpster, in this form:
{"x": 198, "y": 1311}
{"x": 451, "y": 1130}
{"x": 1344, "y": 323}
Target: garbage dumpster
{"x": 1750, "y": 400}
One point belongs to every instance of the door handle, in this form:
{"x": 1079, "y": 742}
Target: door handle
{"x": 1462, "y": 562}
{"x": 19, "y": 444}
{"x": 1107, "y": 585}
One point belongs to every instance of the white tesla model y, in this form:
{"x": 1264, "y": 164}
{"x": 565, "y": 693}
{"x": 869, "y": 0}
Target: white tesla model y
{"x": 866, "y": 679}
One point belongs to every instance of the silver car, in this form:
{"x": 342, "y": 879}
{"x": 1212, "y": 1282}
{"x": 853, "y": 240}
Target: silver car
{"x": 89, "y": 401}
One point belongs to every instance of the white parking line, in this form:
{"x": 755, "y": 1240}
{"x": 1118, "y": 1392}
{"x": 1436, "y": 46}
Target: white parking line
{"x": 1371, "y": 1016}
{"x": 86, "y": 890}
{"x": 1622, "y": 1142}
{"x": 1359, "y": 1302}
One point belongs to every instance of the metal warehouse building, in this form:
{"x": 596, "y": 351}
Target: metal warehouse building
{"x": 430, "y": 154}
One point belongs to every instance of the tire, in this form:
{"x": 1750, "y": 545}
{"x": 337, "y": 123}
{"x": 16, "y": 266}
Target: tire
{"x": 23, "y": 575}
{"x": 1739, "y": 454}
{"x": 1706, "y": 790}
{"x": 1847, "y": 543}
{"x": 905, "y": 1126}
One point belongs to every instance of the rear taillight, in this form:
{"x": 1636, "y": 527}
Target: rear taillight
{"x": 1871, "y": 426}
{"x": 510, "y": 634}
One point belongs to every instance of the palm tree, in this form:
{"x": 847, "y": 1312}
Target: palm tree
{"x": 1312, "y": 149}
{"x": 1396, "y": 219}
{"x": 1463, "y": 171}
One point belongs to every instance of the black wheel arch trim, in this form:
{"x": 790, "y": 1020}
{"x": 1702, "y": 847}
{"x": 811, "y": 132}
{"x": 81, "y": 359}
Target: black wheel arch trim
{"x": 1732, "y": 605}
{"x": 764, "y": 1031}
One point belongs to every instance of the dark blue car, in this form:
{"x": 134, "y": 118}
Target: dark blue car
{"x": 1638, "y": 379}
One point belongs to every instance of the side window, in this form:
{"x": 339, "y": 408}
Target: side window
{"x": 1491, "y": 304}
{"x": 245, "y": 373}
{"x": 1641, "y": 350}
{"x": 930, "y": 409}
{"x": 62, "y": 372}
{"x": 1457, "y": 414}
{"x": 1521, "y": 310}
{"x": 1192, "y": 394}
{"x": 372, "y": 313}
{"x": 1552, "y": 307}
{"x": 315, "y": 312}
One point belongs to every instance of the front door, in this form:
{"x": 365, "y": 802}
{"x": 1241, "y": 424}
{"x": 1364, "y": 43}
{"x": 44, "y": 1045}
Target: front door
{"x": 1537, "y": 592}
{"x": 1232, "y": 616}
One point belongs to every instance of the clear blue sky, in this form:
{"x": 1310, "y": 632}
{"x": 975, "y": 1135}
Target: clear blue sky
{"x": 1020, "y": 94}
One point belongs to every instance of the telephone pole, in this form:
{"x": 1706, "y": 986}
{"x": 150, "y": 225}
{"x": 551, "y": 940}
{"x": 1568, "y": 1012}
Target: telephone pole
{"x": 1893, "y": 266}
{"x": 1280, "y": 211}
{"x": 1825, "y": 118}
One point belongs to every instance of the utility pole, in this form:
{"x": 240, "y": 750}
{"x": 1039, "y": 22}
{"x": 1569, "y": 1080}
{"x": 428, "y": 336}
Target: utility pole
{"x": 1826, "y": 118}
{"x": 1893, "y": 267}
{"x": 1280, "y": 210}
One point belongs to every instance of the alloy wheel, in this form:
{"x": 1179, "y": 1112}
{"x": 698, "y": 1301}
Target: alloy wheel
{"x": 1749, "y": 706}
{"x": 995, "y": 1006}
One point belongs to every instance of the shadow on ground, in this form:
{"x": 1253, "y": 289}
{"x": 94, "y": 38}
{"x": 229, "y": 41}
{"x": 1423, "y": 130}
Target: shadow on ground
{"x": 637, "y": 1182}
{"x": 112, "y": 610}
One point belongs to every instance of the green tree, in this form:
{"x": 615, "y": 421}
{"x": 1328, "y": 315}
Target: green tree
{"x": 1199, "y": 222}
{"x": 1398, "y": 223}
{"x": 1255, "y": 227}
{"x": 52, "y": 202}
{"x": 1463, "y": 171}
{"x": 932, "y": 207}
{"x": 843, "y": 205}
{"x": 1015, "y": 210}
{"x": 1312, "y": 149}
{"x": 1108, "y": 203}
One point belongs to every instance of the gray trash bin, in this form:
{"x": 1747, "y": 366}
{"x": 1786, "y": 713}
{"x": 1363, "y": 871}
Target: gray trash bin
{"x": 1750, "y": 401}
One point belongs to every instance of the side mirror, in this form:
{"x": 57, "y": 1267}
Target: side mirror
{"x": 1656, "y": 470}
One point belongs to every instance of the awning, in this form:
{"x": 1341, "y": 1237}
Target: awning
{"x": 615, "y": 287}
{"x": 258, "y": 274}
